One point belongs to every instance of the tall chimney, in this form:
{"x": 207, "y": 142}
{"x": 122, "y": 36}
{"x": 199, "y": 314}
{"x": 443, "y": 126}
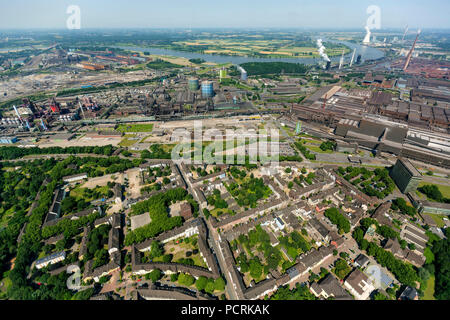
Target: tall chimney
{"x": 408, "y": 58}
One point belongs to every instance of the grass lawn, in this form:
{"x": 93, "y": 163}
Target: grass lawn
{"x": 179, "y": 251}
{"x": 445, "y": 189}
{"x": 80, "y": 193}
{"x": 214, "y": 212}
{"x": 135, "y": 127}
{"x": 310, "y": 138}
{"x": 305, "y": 135}
{"x": 317, "y": 149}
{"x": 429, "y": 291}
{"x": 127, "y": 142}
{"x": 167, "y": 147}
{"x": 437, "y": 218}
{"x": 288, "y": 131}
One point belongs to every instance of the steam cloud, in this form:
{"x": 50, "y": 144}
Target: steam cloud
{"x": 322, "y": 50}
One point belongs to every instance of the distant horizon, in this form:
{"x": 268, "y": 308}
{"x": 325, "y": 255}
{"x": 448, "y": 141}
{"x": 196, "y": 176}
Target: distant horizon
{"x": 241, "y": 14}
{"x": 351, "y": 29}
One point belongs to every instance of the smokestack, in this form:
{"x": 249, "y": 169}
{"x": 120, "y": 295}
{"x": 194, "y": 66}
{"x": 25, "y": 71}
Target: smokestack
{"x": 367, "y": 37}
{"x": 17, "y": 112}
{"x": 82, "y": 111}
{"x": 408, "y": 58}
{"x": 243, "y": 73}
{"x": 353, "y": 57}
{"x": 404, "y": 35}
{"x": 328, "y": 65}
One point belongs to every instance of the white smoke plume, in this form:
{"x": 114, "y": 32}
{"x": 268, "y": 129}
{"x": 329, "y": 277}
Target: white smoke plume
{"x": 322, "y": 50}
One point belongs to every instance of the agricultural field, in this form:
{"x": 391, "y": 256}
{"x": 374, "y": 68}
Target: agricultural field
{"x": 274, "y": 48}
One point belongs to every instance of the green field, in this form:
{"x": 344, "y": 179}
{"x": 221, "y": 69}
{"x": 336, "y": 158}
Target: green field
{"x": 215, "y": 212}
{"x": 288, "y": 131}
{"x": 135, "y": 127}
{"x": 234, "y": 45}
{"x": 83, "y": 193}
{"x": 162, "y": 65}
{"x": 127, "y": 142}
{"x": 437, "y": 218}
{"x": 445, "y": 189}
{"x": 317, "y": 149}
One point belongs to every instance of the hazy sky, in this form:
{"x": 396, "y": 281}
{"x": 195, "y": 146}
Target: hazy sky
{"x": 223, "y": 13}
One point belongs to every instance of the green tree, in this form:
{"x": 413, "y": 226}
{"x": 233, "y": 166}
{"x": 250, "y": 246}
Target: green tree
{"x": 256, "y": 268}
{"x": 210, "y": 286}
{"x": 83, "y": 295}
{"x": 206, "y": 213}
{"x": 174, "y": 277}
{"x": 156, "y": 250}
{"x": 155, "y": 275}
{"x": 338, "y": 219}
{"x": 201, "y": 282}
{"x": 380, "y": 296}
{"x": 441, "y": 250}
{"x": 186, "y": 279}
{"x": 219, "y": 284}
{"x": 342, "y": 269}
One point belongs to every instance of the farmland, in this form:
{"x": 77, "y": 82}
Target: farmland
{"x": 275, "y": 48}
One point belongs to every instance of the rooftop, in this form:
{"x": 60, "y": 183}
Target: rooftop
{"x": 408, "y": 165}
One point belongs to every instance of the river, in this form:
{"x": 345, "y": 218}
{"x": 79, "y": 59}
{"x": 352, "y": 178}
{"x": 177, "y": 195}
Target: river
{"x": 367, "y": 53}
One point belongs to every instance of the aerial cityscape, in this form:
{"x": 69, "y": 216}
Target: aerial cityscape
{"x": 214, "y": 155}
